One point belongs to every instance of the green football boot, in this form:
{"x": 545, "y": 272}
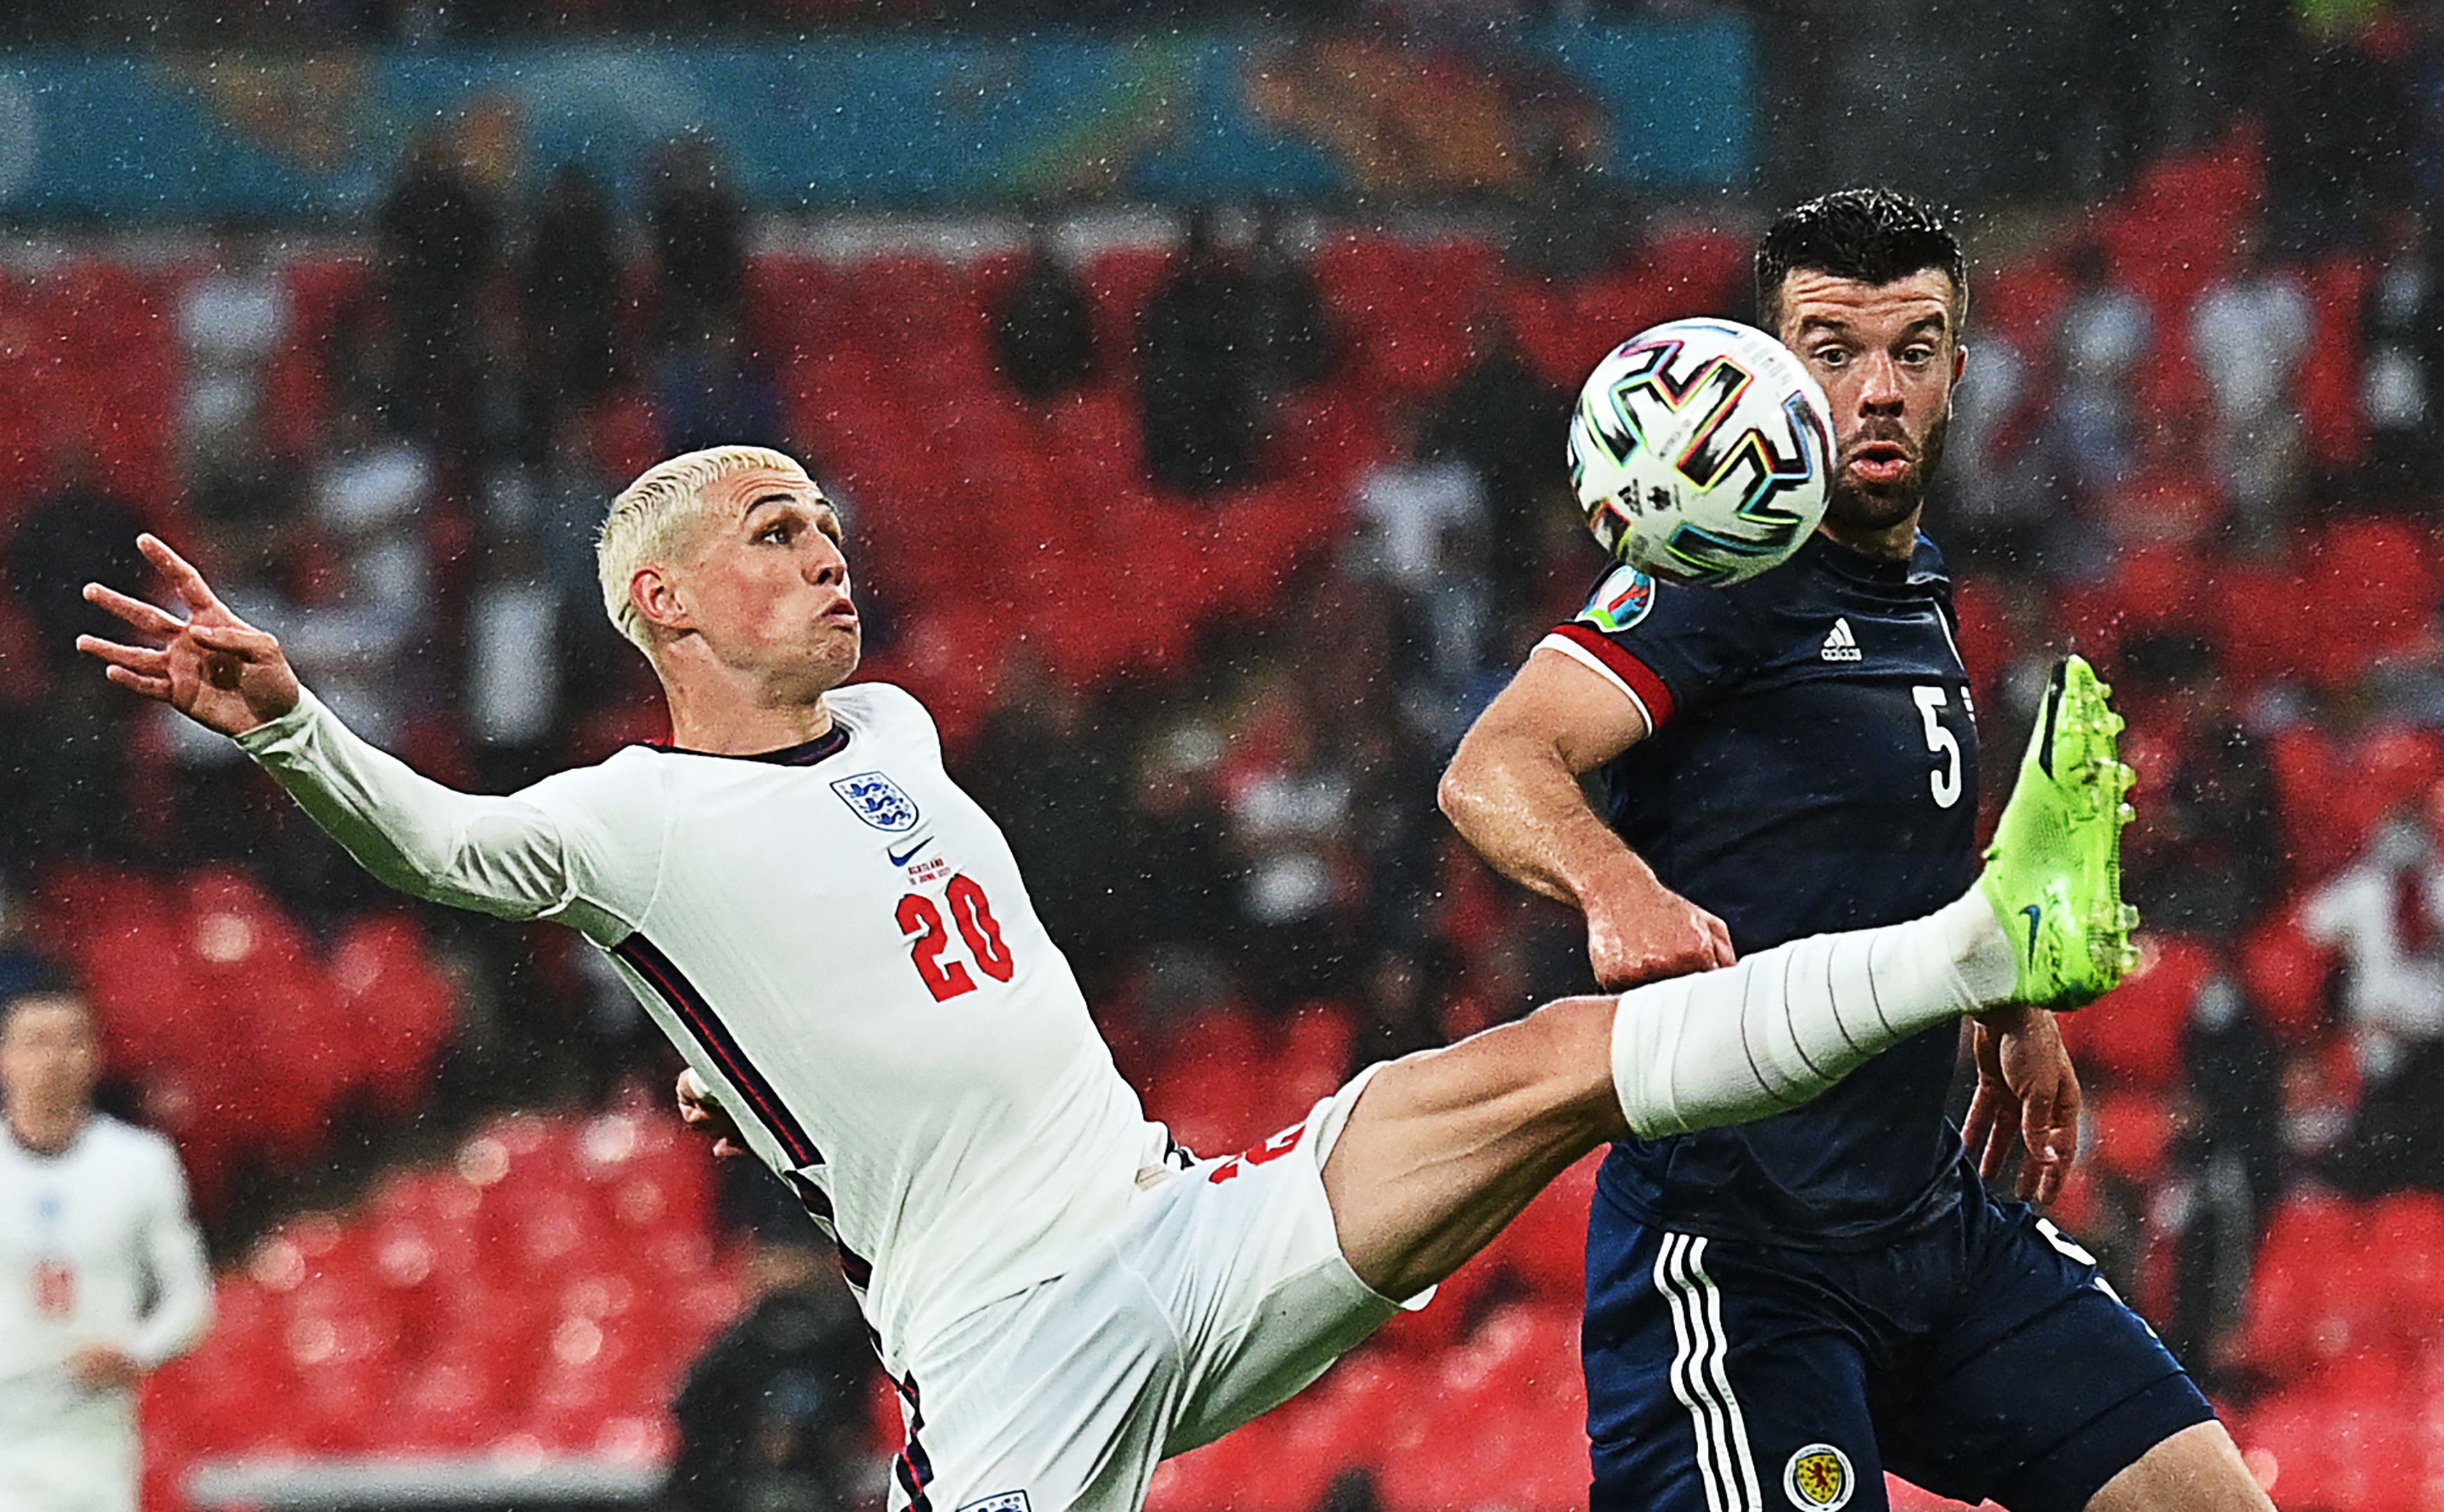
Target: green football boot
{"x": 2053, "y": 874}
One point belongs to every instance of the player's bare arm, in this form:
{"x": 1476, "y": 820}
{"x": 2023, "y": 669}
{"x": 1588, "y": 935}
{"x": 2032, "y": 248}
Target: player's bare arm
{"x": 409, "y": 831}
{"x": 211, "y": 666}
{"x": 1514, "y": 792}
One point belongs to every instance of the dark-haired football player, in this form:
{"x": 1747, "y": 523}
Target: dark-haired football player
{"x": 1779, "y": 1313}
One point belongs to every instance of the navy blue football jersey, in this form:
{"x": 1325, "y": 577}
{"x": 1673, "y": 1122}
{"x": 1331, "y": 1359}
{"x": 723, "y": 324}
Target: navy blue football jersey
{"x": 1812, "y": 768}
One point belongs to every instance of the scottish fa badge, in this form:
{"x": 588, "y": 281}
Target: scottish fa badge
{"x": 878, "y": 800}
{"x": 1006, "y": 1502}
{"x": 1818, "y": 1479}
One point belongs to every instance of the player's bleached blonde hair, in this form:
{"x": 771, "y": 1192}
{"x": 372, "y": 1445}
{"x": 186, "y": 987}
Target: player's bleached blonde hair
{"x": 652, "y": 515}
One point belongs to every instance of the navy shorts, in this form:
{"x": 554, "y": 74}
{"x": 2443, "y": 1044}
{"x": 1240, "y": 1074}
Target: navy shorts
{"x": 1983, "y": 1358}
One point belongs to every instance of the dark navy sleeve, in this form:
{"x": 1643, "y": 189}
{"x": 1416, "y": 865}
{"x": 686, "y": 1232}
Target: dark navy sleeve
{"x": 1665, "y": 644}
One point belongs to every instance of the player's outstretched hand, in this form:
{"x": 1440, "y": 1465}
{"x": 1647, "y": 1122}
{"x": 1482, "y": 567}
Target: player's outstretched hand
{"x": 1652, "y": 935}
{"x": 2026, "y": 1089}
{"x": 211, "y": 666}
{"x": 700, "y": 1113}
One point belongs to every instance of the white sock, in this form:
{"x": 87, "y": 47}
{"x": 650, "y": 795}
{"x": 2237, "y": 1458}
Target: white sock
{"x": 1773, "y": 1031}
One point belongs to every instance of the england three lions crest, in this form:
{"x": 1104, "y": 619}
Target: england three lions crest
{"x": 878, "y": 800}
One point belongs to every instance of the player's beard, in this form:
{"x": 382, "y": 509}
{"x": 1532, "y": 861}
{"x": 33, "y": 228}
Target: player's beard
{"x": 1880, "y": 507}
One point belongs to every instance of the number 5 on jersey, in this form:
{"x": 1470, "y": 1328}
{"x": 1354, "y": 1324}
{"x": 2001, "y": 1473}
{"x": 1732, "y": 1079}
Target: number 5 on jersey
{"x": 1943, "y": 782}
{"x": 929, "y": 941}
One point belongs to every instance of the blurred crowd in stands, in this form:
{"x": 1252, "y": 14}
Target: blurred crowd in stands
{"x": 1205, "y": 555}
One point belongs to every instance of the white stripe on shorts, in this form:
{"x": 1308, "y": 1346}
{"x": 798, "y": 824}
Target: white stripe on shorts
{"x": 1700, "y": 1378}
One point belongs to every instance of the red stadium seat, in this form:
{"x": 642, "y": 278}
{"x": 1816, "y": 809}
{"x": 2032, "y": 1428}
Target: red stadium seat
{"x": 796, "y": 303}
{"x": 2254, "y": 641}
{"x": 2135, "y": 1033}
{"x": 2330, "y": 398}
{"x": 2317, "y": 1296}
{"x": 444, "y": 1406}
{"x": 1506, "y": 1409}
{"x": 1234, "y": 1472}
{"x": 399, "y": 1007}
{"x": 2341, "y": 1441}
{"x": 1546, "y": 1246}
{"x": 1215, "y": 1087}
{"x": 2405, "y": 1255}
{"x": 2374, "y": 584}
{"x": 2134, "y": 1134}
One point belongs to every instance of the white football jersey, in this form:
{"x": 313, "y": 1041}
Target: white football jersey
{"x": 96, "y": 1249}
{"x": 838, "y": 940}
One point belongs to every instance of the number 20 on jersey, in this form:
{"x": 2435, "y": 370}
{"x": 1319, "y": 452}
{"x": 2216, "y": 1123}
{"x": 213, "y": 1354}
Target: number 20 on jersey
{"x": 929, "y": 940}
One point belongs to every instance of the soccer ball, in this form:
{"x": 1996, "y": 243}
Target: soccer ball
{"x": 1701, "y": 452}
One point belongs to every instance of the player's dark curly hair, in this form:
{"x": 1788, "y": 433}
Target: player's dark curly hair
{"x": 1874, "y": 235}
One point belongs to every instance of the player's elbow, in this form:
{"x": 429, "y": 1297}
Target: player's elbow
{"x": 1456, "y": 794}
{"x": 1480, "y": 770}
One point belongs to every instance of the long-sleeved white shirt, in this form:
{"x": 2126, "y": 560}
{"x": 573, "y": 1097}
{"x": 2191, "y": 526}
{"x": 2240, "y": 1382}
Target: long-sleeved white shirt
{"x": 837, "y": 939}
{"x": 96, "y": 1249}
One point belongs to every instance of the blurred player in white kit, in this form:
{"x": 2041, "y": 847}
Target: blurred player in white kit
{"x": 102, "y": 1276}
{"x": 838, "y": 941}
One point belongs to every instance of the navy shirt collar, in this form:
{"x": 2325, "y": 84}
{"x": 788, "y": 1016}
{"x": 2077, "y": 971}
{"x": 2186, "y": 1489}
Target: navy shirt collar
{"x": 1925, "y": 562}
{"x": 823, "y": 747}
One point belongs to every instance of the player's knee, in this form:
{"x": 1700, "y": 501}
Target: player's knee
{"x": 2197, "y": 1469}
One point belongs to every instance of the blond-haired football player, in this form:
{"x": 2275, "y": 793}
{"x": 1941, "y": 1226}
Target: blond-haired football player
{"x": 839, "y": 943}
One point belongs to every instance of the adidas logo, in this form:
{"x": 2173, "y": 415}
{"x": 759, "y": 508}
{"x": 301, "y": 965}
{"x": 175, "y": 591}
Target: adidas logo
{"x": 1840, "y": 645}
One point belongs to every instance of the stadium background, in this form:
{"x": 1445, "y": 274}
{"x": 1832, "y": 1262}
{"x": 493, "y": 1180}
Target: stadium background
{"x": 1194, "y": 397}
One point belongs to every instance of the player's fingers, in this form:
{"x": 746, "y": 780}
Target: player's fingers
{"x": 149, "y": 618}
{"x": 238, "y": 641}
{"x": 2065, "y": 1138}
{"x": 1977, "y": 1128}
{"x": 183, "y": 576}
{"x": 2050, "y": 1181}
{"x": 149, "y": 687}
{"x": 1719, "y": 936}
{"x": 1999, "y": 1145}
{"x": 143, "y": 659}
{"x": 1696, "y": 953}
{"x": 2043, "y": 1181}
{"x": 2041, "y": 1131}
{"x": 2001, "y": 1127}
{"x": 2001, "y": 1132}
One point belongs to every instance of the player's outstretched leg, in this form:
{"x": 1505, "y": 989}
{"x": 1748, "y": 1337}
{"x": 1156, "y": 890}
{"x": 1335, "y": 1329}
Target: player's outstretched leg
{"x": 2044, "y": 926}
{"x": 2053, "y": 874}
{"x": 1446, "y": 1147}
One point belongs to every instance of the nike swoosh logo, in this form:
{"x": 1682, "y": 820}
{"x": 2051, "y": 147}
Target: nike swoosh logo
{"x": 903, "y": 858}
{"x": 2035, "y": 914}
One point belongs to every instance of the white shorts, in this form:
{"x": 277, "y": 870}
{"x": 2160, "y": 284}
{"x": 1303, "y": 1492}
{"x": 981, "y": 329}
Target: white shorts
{"x": 1219, "y": 1293}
